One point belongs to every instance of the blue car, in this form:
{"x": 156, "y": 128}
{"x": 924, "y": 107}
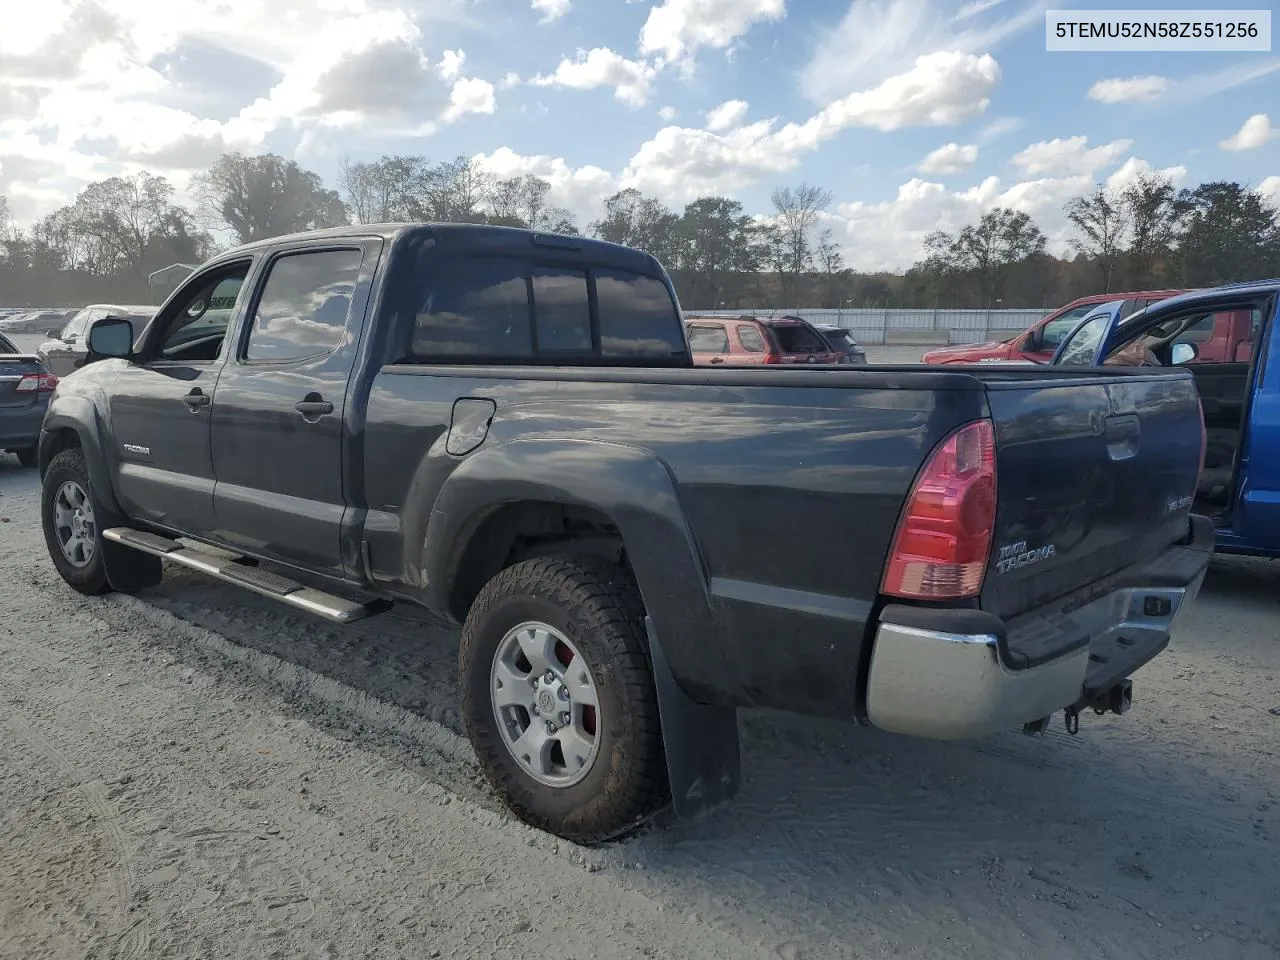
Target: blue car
{"x": 1223, "y": 336}
{"x": 25, "y": 388}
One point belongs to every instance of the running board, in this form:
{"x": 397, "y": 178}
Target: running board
{"x": 229, "y": 570}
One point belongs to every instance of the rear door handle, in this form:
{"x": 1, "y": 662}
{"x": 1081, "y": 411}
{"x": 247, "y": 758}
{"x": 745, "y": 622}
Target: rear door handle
{"x": 717, "y": 359}
{"x": 313, "y": 406}
{"x": 195, "y": 399}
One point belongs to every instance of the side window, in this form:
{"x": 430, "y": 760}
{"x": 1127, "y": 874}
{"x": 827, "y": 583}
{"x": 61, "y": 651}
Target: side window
{"x": 78, "y": 325}
{"x": 1052, "y": 333}
{"x": 562, "y": 311}
{"x": 708, "y": 338}
{"x": 195, "y": 325}
{"x": 1081, "y": 346}
{"x": 474, "y": 308}
{"x": 750, "y": 339}
{"x": 637, "y": 317}
{"x": 303, "y": 309}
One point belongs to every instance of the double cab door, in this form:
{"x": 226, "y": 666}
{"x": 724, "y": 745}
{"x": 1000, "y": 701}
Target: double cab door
{"x": 229, "y": 422}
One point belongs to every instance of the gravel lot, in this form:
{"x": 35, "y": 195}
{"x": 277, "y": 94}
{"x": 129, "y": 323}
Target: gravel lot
{"x": 197, "y": 772}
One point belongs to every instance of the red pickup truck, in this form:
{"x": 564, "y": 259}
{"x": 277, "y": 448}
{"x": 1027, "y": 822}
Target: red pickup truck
{"x": 1039, "y": 341}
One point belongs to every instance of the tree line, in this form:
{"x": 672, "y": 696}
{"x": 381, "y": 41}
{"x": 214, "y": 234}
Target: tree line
{"x": 104, "y": 244}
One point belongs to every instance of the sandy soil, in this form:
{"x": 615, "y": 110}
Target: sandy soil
{"x": 199, "y": 773}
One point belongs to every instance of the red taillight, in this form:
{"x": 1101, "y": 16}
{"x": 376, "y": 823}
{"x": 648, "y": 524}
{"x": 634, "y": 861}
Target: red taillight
{"x": 943, "y": 541}
{"x": 37, "y": 383}
{"x": 771, "y": 358}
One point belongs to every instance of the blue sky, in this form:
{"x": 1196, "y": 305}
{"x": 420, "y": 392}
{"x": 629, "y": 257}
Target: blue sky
{"x": 675, "y": 97}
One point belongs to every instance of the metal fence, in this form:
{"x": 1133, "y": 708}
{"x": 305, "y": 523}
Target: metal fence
{"x": 876, "y": 326}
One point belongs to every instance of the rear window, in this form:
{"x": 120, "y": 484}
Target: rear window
{"x": 750, "y": 339}
{"x": 506, "y": 308}
{"x": 638, "y": 318}
{"x": 839, "y": 339}
{"x": 793, "y": 338}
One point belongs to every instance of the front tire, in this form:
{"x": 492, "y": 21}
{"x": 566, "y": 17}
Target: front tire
{"x": 71, "y": 530}
{"x": 558, "y": 697}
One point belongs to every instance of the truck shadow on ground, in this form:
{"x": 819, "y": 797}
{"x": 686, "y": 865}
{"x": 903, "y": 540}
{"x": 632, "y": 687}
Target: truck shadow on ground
{"x": 835, "y": 822}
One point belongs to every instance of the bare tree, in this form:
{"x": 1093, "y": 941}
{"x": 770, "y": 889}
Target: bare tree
{"x": 380, "y": 191}
{"x": 797, "y": 211}
{"x": 1103, "y": 220}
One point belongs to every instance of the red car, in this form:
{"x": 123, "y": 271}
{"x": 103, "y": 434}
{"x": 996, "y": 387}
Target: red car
{"x": 752, "y": 340}
{"x": 1039, "y": 341}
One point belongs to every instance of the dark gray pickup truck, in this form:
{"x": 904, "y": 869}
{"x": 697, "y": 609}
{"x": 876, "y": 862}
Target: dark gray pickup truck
{"x": 506, "y": 428}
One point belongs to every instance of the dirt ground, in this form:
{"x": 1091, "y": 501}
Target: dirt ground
{"x": 200, "y": 773}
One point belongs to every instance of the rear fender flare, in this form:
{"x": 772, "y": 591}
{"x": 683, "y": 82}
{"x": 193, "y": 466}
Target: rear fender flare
{"x": 629, "y": 485}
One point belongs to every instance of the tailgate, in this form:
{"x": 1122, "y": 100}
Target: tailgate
{"x": 12, "y": 369}
{"x": 1093, "y": 475}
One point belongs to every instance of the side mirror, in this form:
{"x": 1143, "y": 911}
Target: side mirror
{"x": 1034, "y": 341}
{"x": 54, "y": 334}
{"x": 1183, "y": 353}
{"x": 110, "y": 337}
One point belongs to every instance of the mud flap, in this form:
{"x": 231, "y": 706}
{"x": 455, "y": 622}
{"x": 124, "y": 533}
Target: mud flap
{"x": 704, "y": 763}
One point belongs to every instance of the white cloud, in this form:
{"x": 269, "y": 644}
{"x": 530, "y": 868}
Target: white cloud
{"x": 1128, "y": 172}
{"x": 667, "y": 113}
{"x": 949, "y": 158}
{"x": 602, "y": 67}
{"x": 1128, "y": 89}
{"x": 1270, "y": 189}
{"x": 581, "y": 190}
{"x": 679, "y": 163}
{"x": 1254, "y": 133}
{"x": 1071, "y": 155}
{"x": 551, "y": 10}
{"x": 890, "y": 235}
{"x": 675, "y": 29}
{"x": 975, "y": 8}
{"x": 728, "y": 114}
{"x": 876, "y": 37}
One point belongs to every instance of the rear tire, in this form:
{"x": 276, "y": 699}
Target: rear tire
{"x": 602, "y": 772}
{"x": 28, "y": 457}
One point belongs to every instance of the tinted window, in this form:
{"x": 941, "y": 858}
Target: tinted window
{"x": 751, "y": 340}
{"x": 708, "y": 338}
{"x": 304, "y": 305}
{"x": 793, "y": 338}
{"x": 562, "y": 310}
{"x": 1051, "y": 333}
{"x": 474, "y": 308}
{"x": 637, "y": 317}
{"x": 1080, "y": 348}
{"x": 6, "y": 345}
{"x": 203, "y": 314}
{"x": 839, "y": 339}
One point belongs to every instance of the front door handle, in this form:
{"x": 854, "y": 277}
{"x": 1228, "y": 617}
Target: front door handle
{"x": 313, "y": 406}
{"x": 196, "y": 399}
{"x": 717, "y": 359}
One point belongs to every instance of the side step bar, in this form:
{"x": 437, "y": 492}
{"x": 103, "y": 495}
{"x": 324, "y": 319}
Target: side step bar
{"x": 333, "y": 608}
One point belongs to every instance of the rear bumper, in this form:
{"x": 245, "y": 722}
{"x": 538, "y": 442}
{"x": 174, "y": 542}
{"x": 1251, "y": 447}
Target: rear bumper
{"x": 20, "y": 426}
{"x": 943, "y": 674}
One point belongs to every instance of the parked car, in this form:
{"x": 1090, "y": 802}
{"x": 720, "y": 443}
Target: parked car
{"x": 842, "y": 342}
{"x": 1039, "y": 341}
{"x": 506, "y": 428}
{"x": 756, "y": 340}
{"x": 25, "y": 388}
{"x": 66, "y": 349}
{"x": 34, "y": 321}
{"x": 1224, "y": 337}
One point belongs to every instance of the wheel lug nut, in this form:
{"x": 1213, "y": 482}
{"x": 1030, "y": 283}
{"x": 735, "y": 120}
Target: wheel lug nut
{"x": 550, "y": 677}
{"x": 551, "y": 727}
{"x": 564, "y": 693}
{"x": 565, "y": 718}
{"x": 533, "y": 682}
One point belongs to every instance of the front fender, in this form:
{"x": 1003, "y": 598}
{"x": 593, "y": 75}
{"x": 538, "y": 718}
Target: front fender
{"x": 79, "y": 414}
{"x": 629, "y": 485}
